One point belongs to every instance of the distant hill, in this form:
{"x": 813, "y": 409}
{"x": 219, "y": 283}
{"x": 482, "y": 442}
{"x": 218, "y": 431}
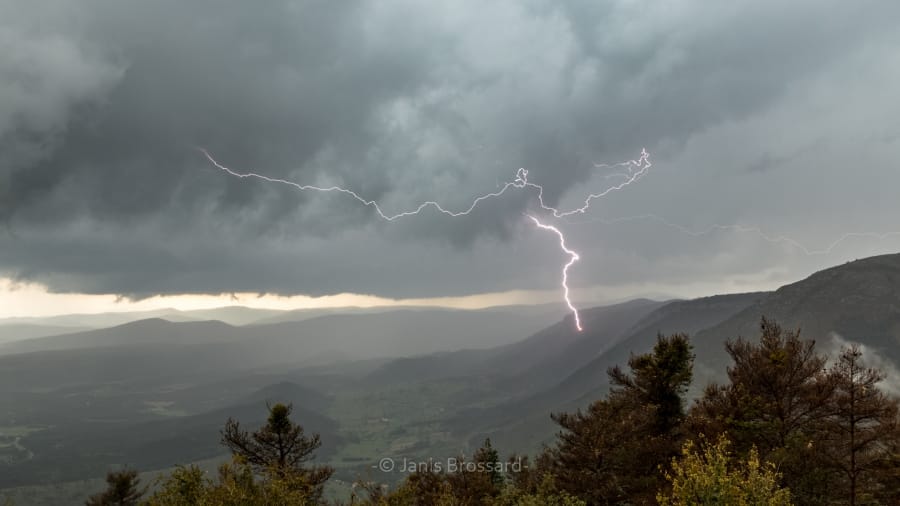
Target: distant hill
{"x": 860, "y": 301}
{"x": 316, "y": 341}
{"x": 297, "y": 315}
{"x": 84, "y": 449}
{"x": 143, "y": 332}
{"x": 445, "y": 378}
{"x": 232, "y": 315}
{"x": 545, "y": 358}
{"x": 690, "y": 317}
{"x": 19, "y": 331}
{"x": 589, "y": 379}
{"x": 242, "y": 315}
{"x": 409, "y": 332}
{"x": 546, "y": 312}
{"x": 537, "y": 360}
{"x": 97, "y": 320}
{"x": 153, "y": 393}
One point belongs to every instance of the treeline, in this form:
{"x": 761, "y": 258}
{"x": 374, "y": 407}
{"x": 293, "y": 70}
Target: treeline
{"x": 787, "y": 428}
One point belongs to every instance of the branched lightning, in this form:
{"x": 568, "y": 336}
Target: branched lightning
{"x": 573, "y": 257}
{"x": 636, "y": 169}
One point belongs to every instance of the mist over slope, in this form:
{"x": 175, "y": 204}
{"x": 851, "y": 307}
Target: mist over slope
{"x": 858, "y": 301}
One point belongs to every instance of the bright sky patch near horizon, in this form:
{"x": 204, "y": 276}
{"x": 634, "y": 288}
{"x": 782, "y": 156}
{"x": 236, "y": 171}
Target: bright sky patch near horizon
{"x": 31, "y": 300}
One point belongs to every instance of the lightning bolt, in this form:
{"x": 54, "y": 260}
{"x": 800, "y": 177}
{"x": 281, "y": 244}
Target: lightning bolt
{"x": 636, "y": 169}
{"x": 573, "y": 257}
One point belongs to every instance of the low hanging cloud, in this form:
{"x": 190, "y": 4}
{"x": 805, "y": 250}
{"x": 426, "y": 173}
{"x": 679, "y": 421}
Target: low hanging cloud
{"x": 103, "y": 104}
{"x": 871, "y": 358}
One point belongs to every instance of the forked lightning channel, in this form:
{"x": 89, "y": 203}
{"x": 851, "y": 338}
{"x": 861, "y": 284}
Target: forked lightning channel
{"x": 632, "y": 170}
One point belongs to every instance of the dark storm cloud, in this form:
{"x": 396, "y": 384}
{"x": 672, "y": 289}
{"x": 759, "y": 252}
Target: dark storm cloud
{"x": 103, "y": 103}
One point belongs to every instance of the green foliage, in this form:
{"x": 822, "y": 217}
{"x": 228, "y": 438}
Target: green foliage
{"x": 419, "y": 489}
{"x": 268, "y": 467}
{"x": 710, "y": 475}
{"x": 123, "y": 489}
{"x": 236, "y": 486}
{"x": 612, "y": 452}
{"x": 777, "y": 390}
{"x": 532, "y": 477}
{"x": 798, "y": 432}
{"x": 428, "y": 488}
{"x": 831, "y": 431}
{"x": 659, "y": 379}
{"x": 777, "y": 396}
{"x": 185, "y": 486}
{"x": 490, "y": 457}
{"x": 546, "y": 494}
{"x": 478, "y": 481}
{"x": 860, "y": 430}
{"x": 280, "y": 448}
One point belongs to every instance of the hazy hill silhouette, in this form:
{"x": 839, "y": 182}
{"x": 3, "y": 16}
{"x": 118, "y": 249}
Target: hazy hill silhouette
{"x": 539, "y": 359}
{"x": 348, "y": 337}
{"x": 529, "y": 412}
{"x": 859, "y": 301}
{"x": 18, "y": 331}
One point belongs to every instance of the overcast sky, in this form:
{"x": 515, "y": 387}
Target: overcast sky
{"x": 776, "y": 115}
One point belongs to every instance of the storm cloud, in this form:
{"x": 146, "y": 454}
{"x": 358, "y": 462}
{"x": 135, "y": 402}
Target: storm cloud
{"x": 763, "y": 113}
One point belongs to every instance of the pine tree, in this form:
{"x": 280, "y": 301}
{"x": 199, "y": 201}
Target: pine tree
{"x": 488, "y": 459}
{"x": 529, "y": 475}
{"x": 425, "y": 487}
{"x": 777, "y": 396}
{"x": 613, "y": 451}
{"x": 478, "y": 480}
{"x": 123, "y": 489}
{"x": 236, "y": 486}
{"x": 862, "y": 425}
{"x": 280, "y": 448}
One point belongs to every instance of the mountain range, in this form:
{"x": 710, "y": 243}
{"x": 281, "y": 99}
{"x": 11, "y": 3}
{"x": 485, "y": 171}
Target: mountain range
{"x": 403, "y": 382}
